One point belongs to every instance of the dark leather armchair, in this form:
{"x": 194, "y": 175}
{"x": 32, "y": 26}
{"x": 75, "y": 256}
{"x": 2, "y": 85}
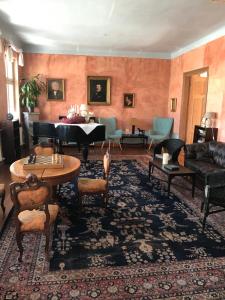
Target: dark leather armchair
{"x": 172, "y": 146}
{"x": 205, "y": 158}
{"x": 214, "y": 194}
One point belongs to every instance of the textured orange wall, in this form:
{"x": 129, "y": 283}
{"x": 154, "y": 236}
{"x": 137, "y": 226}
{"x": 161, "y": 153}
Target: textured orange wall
{"x": 147, "y": 78}
{"x": 211, "y": 55}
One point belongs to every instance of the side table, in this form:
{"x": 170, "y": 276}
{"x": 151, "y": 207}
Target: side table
{"x": 143, "y": 139}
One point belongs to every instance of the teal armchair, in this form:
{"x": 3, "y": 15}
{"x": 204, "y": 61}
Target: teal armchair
{"x": 160, "y": 131}
{"x": 112, "y": 134}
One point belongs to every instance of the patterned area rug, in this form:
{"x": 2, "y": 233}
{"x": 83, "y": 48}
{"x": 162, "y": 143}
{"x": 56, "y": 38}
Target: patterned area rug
{"x": 193, "y": 271}
{"x": 142, "y": 225}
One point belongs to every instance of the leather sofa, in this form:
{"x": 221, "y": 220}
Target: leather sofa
{"x": 205, "y": 158}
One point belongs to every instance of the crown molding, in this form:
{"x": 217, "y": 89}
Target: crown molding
{"x": 94, "y": 52}
{"x": 201, "y": 42}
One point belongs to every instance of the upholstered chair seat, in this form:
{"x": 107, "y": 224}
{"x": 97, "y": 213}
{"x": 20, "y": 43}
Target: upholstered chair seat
{"x": 96, "y": 186}
{"x": 112, "y": 134}
{"x": 2, "y": 188}
{"x": 34, "y": 220}
{"x": 89, "y": 185}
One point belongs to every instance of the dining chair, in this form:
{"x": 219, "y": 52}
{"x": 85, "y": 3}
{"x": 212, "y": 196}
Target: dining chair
{"x": 44, "y": 149}
{"x": 2, "y": 196}
{"x": 214, "y": 200}
{"x": 90, "y": 186}
{"x": 32, "y": 209}
{"x": 112, "y": 134}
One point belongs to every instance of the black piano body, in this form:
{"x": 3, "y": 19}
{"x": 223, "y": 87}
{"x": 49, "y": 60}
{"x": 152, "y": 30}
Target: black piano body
{"x": 68, "y": 133}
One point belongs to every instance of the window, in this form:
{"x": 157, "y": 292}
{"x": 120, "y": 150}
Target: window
{"x": 12, "y": 85}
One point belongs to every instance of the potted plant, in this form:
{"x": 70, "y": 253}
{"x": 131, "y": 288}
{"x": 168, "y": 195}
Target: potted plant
{"x": 30, "y": 90}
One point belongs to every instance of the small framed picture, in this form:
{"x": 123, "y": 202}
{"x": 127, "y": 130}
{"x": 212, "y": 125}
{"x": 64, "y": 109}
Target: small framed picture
{"x": 173, "y": 104}
{"x": 55, "y": 89}
{"x": 98, "y": 90}
{"x": 128, "y": 100}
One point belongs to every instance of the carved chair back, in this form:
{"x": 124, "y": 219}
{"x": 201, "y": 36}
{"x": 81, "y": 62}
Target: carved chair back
{"x": 43, "y": 149}
{"x": 31, "y": 194}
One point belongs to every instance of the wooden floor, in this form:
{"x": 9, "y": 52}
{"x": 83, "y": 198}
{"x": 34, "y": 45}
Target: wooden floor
{"x": 128, "y": 152}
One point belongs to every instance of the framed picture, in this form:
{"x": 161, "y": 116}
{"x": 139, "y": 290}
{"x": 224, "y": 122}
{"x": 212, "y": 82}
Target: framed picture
{"x": 98, "y": 90}
{"x": 173, "y": 104}
{"x": 128, "y": 100}
{"x": 55, "y": 89}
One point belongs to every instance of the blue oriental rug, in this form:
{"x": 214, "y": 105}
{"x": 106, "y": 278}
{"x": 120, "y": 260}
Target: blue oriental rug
{"x": 141, "y": 225}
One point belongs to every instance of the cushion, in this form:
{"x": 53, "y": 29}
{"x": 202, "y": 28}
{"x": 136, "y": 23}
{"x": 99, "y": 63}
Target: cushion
{"x": 203, "y": 155}
{"x": 88, "y": 185}
{"x": 219, "y": 154}
{"x": 33, "y": 220}
{"x": 30, "y": 197}
{"x": 201, "y": 167}
{"x": 45, "y": 151}
{"x": 2, "y": 188}
{"x": 114, "y": 136}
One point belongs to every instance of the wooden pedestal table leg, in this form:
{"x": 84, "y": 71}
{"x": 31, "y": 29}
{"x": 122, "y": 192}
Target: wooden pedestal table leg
{"x": 170, "y": 177}
{"x": 55, "y": 195}
{"x": 150, "y": 170}
{"x": 85, "y": 153}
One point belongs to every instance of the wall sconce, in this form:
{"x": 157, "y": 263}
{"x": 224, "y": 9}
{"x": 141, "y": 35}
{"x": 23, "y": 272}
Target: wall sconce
{"x": 173, "y": 104}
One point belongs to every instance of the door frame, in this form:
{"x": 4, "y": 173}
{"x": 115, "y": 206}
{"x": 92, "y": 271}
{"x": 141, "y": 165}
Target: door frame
{"x": 185, "y": 98}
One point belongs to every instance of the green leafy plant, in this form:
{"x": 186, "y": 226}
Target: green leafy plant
{"x": 30, "y": 90}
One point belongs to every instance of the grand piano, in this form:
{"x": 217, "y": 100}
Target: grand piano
{"x": 82, "y": 134}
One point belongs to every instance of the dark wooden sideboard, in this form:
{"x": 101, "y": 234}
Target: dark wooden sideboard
{"x": 11, "y": 149}
{"x": 203, "y": 134}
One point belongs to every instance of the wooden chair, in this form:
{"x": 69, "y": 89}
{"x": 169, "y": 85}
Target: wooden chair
{"x": 2, "y": 196}
{"x": 33, "y": 213}
{"x": 44, "y": 149}
{"x": 89, "y": 186}
{"x": 214, "y": 200}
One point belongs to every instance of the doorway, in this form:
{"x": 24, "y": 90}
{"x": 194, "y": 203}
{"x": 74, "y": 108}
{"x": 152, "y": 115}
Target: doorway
{"x": 194, "y": 102}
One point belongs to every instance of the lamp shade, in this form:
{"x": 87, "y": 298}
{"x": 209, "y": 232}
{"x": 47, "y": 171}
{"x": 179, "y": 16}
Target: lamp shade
{"x": 210, "y": 115}
{"x": 133, "y": 121}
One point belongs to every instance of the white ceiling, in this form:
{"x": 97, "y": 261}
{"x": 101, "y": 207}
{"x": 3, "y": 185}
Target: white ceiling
{"x": 145, "y": 28}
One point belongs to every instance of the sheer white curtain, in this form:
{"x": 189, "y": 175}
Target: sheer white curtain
{"x": 13, "y": 57}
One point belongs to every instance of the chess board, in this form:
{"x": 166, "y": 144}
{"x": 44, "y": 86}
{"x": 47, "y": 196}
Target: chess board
{"x": 54, "y": 161}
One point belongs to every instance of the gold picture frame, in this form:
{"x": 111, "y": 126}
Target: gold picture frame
{"x": 98, "y": 90}
{"x": 128, "y": 100}
{"x": 173, "y": 104}
{"x": 55, "y": 89}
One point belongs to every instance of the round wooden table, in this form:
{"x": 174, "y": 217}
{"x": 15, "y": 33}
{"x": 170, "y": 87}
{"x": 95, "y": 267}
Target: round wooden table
{"x": 54, "y": 177}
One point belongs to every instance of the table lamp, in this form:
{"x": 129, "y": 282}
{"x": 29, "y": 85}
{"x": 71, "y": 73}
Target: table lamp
{"x": 133, "y": 122}
{"x": 209, "y": 117}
